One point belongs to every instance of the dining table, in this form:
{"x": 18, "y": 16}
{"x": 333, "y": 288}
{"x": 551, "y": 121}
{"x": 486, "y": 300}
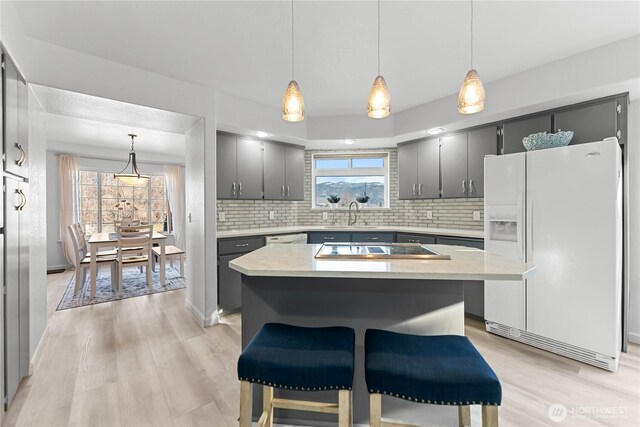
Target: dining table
{"x": 110, "y": 240}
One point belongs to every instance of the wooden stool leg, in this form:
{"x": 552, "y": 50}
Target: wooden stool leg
{"x": 490, "y": 415}
{"x": 267, "y": 406}
{"x": 375, "y": 410}
{"x": 181, "y": 265}
{"x": 344, "y": 411}
{"x": 245, "y": 404}
{"x": 464, "y": 416}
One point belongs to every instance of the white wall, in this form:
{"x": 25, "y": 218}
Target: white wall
{"x": 37, "y": 212}
{"x": 633, "y": 170}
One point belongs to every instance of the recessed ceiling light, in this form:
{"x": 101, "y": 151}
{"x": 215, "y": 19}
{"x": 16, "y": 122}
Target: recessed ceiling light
{"x": 261, "y": 134}
{"x": 350, "y": 141}
{"x": 435, "y": 131}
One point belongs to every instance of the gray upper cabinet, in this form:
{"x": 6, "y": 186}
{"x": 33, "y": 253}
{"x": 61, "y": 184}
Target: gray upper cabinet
{"x": 16, "y": 120}
{"x": 294, "y": 167}
{"x": 239, "y": 167}
{"x": 274, "y": 171}
{"x": 590, "y": 123}
{"x": 283, "y": 171}
{"x": 428, "y": 168}
{"x": 226, "y": 166}
{"x": 453, "y": 165}
{"x": 514, "y": 131}
{"x": 408, "y": 170}
{"x": 250, "y": 163}
{"x": 480, "y": 143}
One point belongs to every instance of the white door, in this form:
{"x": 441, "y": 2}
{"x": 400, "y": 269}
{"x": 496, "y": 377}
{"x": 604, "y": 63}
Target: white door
{"x": 574, "y": 229}
{"x": 504, "y": 185}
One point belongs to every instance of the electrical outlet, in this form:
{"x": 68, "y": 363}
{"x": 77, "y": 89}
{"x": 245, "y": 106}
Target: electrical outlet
{"x": 476, "y": 215}
{"x": 429, "y": 214}
{"x": 325, "y": 215}
{"x": 222, "y": 216}
{"x": 272, "y": 215}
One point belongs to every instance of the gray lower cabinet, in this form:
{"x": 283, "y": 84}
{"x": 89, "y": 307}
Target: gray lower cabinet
{"x": 408, "y": 170}
{"x": 229, "y": 280}
{"x": 373, "y": 237}
{"x": 513, "y": 131}
{"x": 473, "y": 289}
{"x": 16, "y": 281}
{"x": 239, "y": 167}
{"x": 592, "y": 122}
{"x": 330, "y": 237}
{"x": 480, "y": 143}
{"x": 415, "y": 238}
{"x": 428, "y": 168}
{"x": 283, "y": 171}
{"x": 453, "y": 165}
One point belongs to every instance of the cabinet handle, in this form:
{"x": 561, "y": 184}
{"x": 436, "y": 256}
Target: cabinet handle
{"x": 413, "y": 188}
{"x": 419, "y": 189}
{"x": 239, "y": 189}
{"x": 464, "y": 186}
{"x": 23, "y": 200}
{"x": 288, "y": 191}
{"x": 23, "y": 155}
{"x": 233, "y": 189}
{"x": 471, "y": 188}
{"x": 283, "y": 191}
{"x": 414, "y": 241}
{"x": 373, "y": 238}
{"x": 329, "y": 238}
{"x": 243, "y": 245}
{"x": 618, "y": 135}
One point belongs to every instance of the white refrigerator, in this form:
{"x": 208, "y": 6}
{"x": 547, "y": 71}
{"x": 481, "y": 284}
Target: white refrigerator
{"x": 561, "y": 210}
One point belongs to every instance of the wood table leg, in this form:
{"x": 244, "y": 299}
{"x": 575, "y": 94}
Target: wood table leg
{"x": 163, "y": 261}
{"x": 93, "y": 269}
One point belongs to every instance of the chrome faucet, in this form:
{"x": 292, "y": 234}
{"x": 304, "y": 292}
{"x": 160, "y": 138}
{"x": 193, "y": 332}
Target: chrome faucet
{"x": 355, "y": 215}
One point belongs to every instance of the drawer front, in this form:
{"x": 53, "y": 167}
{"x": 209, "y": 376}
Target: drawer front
{"x": 329, "y": 237}
{"x": 373, "y": 237}
{"x": 415, "y": 238}
{"x": 234, "y": 246}
{"x": 470, "y": 243}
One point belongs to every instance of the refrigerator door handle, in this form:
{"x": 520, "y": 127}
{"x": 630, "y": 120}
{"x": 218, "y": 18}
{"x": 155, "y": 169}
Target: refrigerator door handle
{"x": 530, "y": 229}
{"x": 520, "y": 224}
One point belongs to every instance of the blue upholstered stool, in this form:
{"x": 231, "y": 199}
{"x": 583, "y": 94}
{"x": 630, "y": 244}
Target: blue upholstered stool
{"x": 440, "y": 370}
{"x": 297, "y": 358}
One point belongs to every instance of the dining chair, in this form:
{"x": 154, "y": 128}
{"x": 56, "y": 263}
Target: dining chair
{"x": 82, "y": 261}
{"x": 82, "y": 243}
{"x": 139, "y": 237}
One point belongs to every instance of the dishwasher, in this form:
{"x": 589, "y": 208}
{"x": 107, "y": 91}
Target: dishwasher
{"x": 286, "y": 239}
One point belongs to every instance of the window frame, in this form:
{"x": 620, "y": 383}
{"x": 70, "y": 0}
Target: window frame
{"x": 351, "y": 171}
{"x": 99, "y": 173}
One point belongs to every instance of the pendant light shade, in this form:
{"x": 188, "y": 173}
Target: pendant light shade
{"x": 134, "y": 177}
{"x": 379, "y": 105}
{"x": 293, "y": 103}
{"x": 471, "y": 96}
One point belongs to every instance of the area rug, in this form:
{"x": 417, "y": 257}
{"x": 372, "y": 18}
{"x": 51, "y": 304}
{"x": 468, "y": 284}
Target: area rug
{"x": 134, "y": 284}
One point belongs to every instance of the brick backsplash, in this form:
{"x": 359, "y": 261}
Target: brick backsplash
{"x": 447, "y": 213}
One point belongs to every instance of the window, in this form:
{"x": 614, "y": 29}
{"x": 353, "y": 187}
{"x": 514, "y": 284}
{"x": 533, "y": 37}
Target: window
{"x": 351, "y": 177}
{"x": 104, "y": 199}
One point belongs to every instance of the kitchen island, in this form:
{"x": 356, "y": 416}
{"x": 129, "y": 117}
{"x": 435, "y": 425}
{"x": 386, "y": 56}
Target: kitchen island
{"x": 285, "y": 283}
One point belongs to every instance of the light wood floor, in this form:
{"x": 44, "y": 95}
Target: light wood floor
{"x": 145, "y": 361}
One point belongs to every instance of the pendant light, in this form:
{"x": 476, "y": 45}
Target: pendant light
{"x": 379, "y": 105}
{"x": 292, "y": 101}
{"x": 135, "y": 177}
{"x": 471, "y": 96}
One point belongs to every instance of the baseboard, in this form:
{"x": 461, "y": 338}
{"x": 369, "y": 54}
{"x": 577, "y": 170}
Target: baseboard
{"x": 38, "y": 353}
{"x": 52, "y": 269}
{"x": 214, "y": 319}
{"x": 634, "y": 337}
{"x": 195, "y": 312}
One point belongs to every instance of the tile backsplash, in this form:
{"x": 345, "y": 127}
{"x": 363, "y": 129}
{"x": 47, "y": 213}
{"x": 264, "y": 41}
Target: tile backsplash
{"x": 446, "y": 213}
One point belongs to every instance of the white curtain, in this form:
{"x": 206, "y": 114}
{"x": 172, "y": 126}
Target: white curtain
{"x": 174, "y": 179}
{"x": 69, "y": 174}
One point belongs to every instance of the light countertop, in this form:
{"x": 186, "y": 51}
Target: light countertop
{"x": 475, "y": 234}
{"x": 298, "y": 261}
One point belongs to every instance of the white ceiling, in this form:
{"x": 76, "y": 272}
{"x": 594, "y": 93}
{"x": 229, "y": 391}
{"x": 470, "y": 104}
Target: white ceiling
{"x": 243, "y": 48}
{"x": 90, "y": 125}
